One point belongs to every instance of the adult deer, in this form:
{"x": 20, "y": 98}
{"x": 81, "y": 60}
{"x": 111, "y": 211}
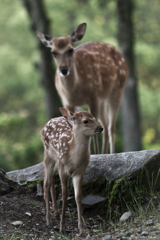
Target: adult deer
{"x": 67, "y": 149}
{"x": 89, "y": 74}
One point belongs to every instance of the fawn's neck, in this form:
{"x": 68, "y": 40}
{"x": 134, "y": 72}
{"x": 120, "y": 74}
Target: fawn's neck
{"x": 81, "y": 143}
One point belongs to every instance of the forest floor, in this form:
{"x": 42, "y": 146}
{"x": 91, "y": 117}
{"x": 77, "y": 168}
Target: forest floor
{"x": 22, "y": 216}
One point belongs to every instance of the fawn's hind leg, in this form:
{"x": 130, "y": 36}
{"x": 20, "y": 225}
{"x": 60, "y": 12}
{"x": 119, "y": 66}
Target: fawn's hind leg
{"x": 50, "y": 170}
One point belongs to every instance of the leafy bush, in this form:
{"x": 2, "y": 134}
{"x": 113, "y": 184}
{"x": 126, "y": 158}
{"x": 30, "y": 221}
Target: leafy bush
{"x": 19, "y": 146}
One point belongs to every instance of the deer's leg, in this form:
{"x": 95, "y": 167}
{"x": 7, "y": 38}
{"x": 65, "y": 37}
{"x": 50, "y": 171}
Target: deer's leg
{"x": 113, "y": 107}
{"x": 70, "y": 108}
{"x": 77, "y": 183}
{"x": 53, "y": 195}
{"x": 49, "y": 169}
{"x": 94, "y": 109}
{"x": 64, "y": 182}
{"x": 104, "y": 121}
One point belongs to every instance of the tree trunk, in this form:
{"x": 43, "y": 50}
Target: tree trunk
{"x": 130, "y": 106}
{"x": 40, "y": 22}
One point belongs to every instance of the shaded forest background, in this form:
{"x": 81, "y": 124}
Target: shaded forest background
{"x": 22, "y": 102}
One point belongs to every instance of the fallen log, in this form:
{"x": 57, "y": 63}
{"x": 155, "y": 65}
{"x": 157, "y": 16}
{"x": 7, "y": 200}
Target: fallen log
{"x": 110, "y": 166}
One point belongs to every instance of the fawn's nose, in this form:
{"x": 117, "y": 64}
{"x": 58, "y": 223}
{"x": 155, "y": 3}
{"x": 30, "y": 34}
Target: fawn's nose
{"x": 101, "y": 128}
{"x": 64, "y": 70}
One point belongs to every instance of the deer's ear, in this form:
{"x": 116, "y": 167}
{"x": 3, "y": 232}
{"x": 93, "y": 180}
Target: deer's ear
{"x": 67, "y": 114}
{"x": 78, "y": 33}
{"x": 45, "y": 39}
{"x": 78, "y": 109}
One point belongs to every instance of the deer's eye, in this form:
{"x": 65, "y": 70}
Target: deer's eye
{"x": 85, "y": 121}
{"x": 70, "y": 51}
{"x": 54, "y": 53}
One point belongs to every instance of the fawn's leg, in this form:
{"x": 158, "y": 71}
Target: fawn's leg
{"x": 64, "y": 182}
{"x": 49, "y": 170}
{"x": 77, "y": 183}
{"x": 53, "y": 196}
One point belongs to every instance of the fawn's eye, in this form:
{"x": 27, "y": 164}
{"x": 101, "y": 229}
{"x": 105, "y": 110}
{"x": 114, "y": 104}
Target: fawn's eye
{"x": 70, "y": 51}
{"x": 85, "y": 121}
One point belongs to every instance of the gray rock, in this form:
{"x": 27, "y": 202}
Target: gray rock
{"x": 149, "y": 223}
{"x": 125, "y": 216}
{"x": 121, "y": 235}
{"x": 107, "y": 237}
{"x": 132, "y": 236}
{"x": 144, "y": 233}
{"x": 92, "y": 200}
{"x": 39, "y": 190}
{"x": 128, "y": 234}
{"x": 115, "y": 166}
{"x": 153, "y": 233}
{"x": 110, "y": 166}
{"x": 29, "y": 174}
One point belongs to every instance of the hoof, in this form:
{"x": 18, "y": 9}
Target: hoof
{"x": 83, "y": 235}
{"x": 63, "y": 232}
{"x": 49, "y": 226}
{"x": 57, "y": 217}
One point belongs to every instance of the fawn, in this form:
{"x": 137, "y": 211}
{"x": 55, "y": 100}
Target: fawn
{"x": 89, "y": 74}
{"x": 67, "y": 150}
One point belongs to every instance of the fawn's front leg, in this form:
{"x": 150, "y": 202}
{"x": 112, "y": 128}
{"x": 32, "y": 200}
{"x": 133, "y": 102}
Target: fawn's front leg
{"x": 77, "y": 183}
{"x": 64, "y": 182}
{"x": 54, "y": 202}
{"x": 46, "y": 197}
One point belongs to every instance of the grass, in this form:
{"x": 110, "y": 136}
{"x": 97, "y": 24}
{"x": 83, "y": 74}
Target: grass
{"x": 99, "y": 227}
{"x": 32, "y": 203}
{"x": 126, "y": 194}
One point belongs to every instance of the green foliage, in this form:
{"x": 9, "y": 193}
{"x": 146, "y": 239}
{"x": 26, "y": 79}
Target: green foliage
{"x": 129, "y": 194}
{"x": 125, "y": 194}
{"x": 150, "y": 115}
{"x": 22, "y": 108}
{"x": 20, "y": 153}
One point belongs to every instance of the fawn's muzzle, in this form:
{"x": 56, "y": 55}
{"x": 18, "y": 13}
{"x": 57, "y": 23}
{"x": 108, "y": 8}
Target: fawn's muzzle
{"x": 64, "y": 70}
{"x": 99, "y": 129}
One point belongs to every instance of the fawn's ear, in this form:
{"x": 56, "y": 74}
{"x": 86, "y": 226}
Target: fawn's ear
{"x": 45, "y": 39}
{"x": 78, "y": 33}
{"x": 78, "y": 109}
{"x": 67, "y": 114}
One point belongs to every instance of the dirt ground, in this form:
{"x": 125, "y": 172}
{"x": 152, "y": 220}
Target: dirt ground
{"x": 18, "y": 203}
{"x": 22, "y": 217}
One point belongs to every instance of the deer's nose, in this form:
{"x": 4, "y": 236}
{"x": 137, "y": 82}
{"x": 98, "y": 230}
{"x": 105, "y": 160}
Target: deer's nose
{"x": 64, "y": 70}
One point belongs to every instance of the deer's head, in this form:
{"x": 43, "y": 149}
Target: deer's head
{"x": 62, "y": 48}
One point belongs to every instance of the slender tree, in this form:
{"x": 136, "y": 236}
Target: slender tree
{"x": 130, "y": 106}
{"x": 39, "y": 21}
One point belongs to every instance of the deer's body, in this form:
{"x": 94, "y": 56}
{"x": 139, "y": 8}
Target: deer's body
{"x": 89, "y": 74}
{"x": 96, "y": 72}
{"x": 66, "y": 150}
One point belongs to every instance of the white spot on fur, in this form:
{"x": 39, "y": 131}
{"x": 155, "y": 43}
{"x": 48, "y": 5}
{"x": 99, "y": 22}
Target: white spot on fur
{"x": 45, "y": 129}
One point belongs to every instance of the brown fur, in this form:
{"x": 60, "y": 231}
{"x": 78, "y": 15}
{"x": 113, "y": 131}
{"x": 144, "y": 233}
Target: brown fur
{"x": 96, "y": 72}
{"x": 67, "y": 150}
